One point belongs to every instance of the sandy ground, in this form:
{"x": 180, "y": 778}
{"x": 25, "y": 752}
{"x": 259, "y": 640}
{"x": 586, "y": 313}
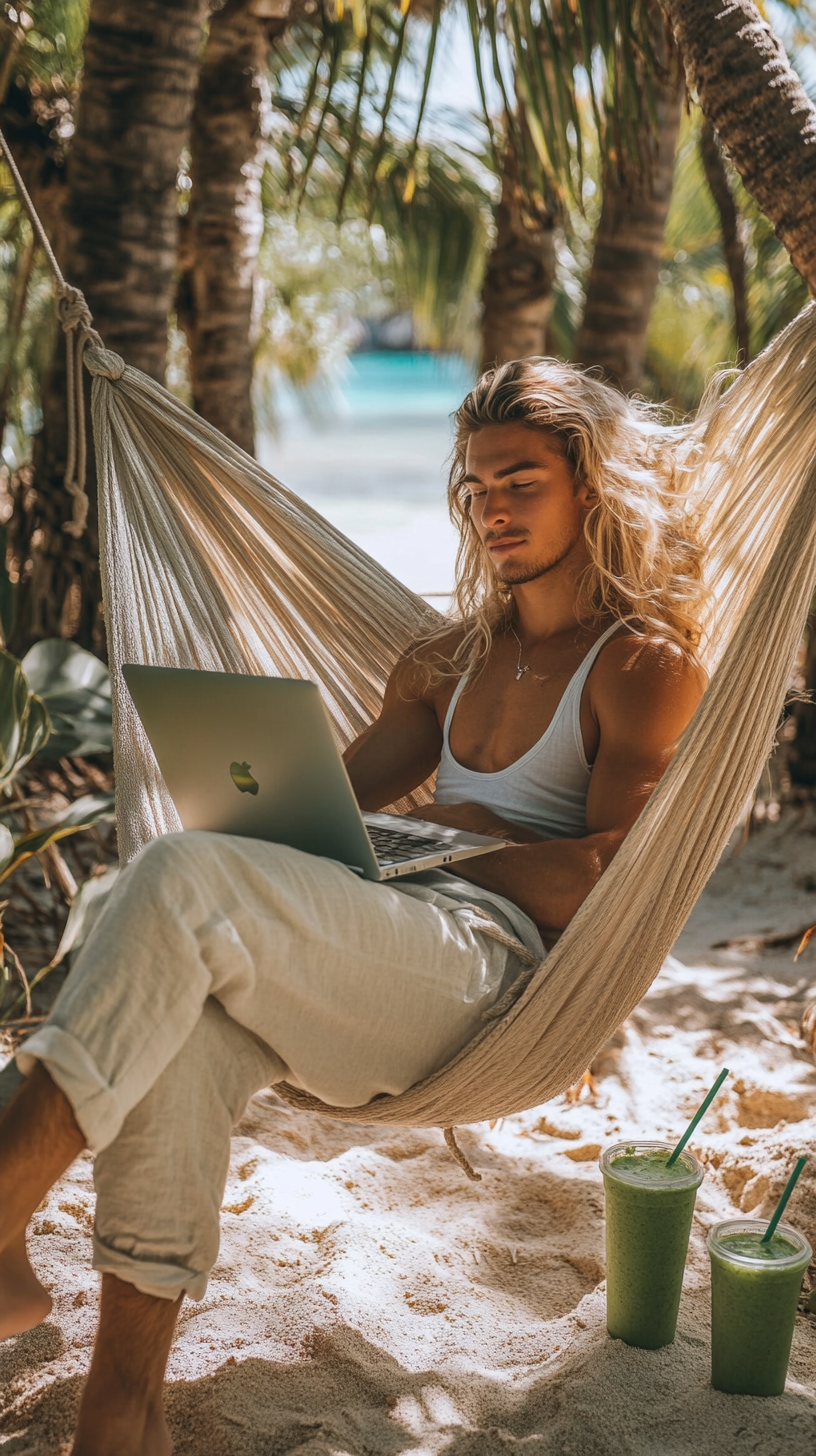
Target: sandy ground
{"x": 369, "y": 1301}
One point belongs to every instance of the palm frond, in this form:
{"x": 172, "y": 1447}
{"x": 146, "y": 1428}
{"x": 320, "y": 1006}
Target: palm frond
{"x": 385, "y": 113}
{"x": 423, "y": 100}
{"x": 691, "y": 332}
{"x": 542, "y": 53}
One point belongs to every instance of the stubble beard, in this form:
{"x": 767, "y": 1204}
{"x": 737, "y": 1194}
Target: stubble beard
{"x": 522, "y": 574}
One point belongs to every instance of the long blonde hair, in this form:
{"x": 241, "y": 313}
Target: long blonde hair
{"x": 645, "y": 553}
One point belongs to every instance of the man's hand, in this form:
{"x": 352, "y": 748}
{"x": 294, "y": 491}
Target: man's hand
{"x": 477, "y": 820}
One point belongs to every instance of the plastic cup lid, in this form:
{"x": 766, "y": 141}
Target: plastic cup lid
{"x": 801, "y": 1253}
{"x": 694, "y": 1170}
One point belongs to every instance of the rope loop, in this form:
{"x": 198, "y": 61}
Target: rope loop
{"x": 73, "y": 311}
{"x": 77, "y": 325}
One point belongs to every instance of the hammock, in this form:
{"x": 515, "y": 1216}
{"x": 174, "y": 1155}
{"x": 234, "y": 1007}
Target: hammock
{"x": 209, "y": 562}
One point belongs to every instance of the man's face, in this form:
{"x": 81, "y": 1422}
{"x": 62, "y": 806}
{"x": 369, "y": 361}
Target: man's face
{"x": 524, "y": 504}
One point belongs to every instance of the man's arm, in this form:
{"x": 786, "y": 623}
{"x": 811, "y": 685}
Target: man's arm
{"x": 641, "y": 696}
{"x": 402, "y": 747}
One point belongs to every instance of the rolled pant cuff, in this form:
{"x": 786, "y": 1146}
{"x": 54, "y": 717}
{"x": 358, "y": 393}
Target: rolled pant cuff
{"x": 162, "y": 1281}
{"x": 94, "y": 1102}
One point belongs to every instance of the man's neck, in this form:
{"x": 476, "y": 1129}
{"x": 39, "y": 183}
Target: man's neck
{"x": 545, "y": 607}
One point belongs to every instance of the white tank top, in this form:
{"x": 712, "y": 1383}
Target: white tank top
{"x": 546, "y": 789}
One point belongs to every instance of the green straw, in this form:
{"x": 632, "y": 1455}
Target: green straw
{"x": 780, "y": 1207}
{"x": 701, "y": 1111}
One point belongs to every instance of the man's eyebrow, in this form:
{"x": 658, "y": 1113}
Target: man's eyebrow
{"x": 508, "y": 470}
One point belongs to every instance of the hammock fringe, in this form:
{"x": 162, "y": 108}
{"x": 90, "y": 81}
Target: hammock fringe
{"x": 458, "y": 1155}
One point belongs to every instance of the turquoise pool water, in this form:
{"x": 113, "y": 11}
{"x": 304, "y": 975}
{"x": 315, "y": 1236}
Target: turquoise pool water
{"x": 405, "y": 384}
{"x": 374, "y": 460}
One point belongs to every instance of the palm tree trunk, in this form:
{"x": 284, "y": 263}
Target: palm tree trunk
{"x": 733, "y": 247}
{"x": 760, "y": 111}
{"x": 629, "y": 241}
{"x": 517, "y": 294}
{"x": 141, "y": 68}
{"x": 222, "y": 231}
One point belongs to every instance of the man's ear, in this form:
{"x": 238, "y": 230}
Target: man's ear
{"x": 586, "y": 494}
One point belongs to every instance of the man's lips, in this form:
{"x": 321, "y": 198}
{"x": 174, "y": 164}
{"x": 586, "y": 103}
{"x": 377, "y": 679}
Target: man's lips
{"x": 505, "y": 543}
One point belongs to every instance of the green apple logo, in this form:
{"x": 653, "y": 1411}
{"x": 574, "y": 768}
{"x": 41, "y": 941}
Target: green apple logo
{"x": 242, "y": 778}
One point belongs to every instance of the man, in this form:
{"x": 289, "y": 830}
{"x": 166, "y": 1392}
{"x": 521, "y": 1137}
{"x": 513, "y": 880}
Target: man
{"x": 224, "y": 964}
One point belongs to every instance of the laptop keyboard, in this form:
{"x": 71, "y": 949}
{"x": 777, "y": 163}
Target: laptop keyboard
{"x": 395, "y": 846}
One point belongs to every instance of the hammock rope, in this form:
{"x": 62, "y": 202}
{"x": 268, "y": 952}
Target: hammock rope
{"x": 77, "y": 324}
{"x": 208, "y": 561}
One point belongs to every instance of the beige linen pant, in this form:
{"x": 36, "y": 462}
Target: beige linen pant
{"x": 221, "y": 965}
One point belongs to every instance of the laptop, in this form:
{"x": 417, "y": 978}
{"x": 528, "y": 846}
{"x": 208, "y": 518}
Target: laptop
{"x": 256, "y": 756}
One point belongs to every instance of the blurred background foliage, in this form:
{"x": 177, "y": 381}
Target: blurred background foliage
{"x": 692, "y": 330}
{"x": 378, "y": 203}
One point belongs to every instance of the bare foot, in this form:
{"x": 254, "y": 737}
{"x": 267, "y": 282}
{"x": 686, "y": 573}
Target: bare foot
{"x": 121, "y": 1411}
{"x": 157, "y": 1440}
{"x": 24, "y": 1302}
{"x": 121, "y": 1429}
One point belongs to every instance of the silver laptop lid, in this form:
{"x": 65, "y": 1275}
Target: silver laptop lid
{"x": 256, "y": 756}
{"x": 253, "y": 756}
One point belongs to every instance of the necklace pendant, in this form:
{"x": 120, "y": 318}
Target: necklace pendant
{"x": 521, "y": 672}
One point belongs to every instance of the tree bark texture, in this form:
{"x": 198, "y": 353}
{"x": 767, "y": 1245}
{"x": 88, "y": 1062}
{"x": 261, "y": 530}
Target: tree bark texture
{"x": 120, "y": 248}
{"x": 141, "y": 70}
{"x": 760, "y": 111}
{"x": 517, "y": 293}
{"x": 733, "y": 247}
{"x": 222, "y": 230}
{"x": 629, "y": 241}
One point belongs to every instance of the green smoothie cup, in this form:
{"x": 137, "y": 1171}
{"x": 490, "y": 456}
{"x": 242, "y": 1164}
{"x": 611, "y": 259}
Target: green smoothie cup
{"x": 754, "y": 1293}
{"x": 649, "y": 1209}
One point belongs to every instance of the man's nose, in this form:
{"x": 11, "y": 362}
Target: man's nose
{"x": 493, "y": 510}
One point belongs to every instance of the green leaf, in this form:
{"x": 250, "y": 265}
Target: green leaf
{"x": 24, "y": 720}
{"x": 91, "y": 809}
{"x": 86, "y": 906}
{"x": 75, "y": 687}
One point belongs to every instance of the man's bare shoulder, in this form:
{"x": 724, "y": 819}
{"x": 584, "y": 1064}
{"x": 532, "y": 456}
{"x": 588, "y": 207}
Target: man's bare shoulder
{"x": 646, "y": 676}
{"x": 411, "y": 674}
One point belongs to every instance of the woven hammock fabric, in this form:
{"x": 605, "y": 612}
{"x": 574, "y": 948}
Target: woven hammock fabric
{"x": 209, "y": 562}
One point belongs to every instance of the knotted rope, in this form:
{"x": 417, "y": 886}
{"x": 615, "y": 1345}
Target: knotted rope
{"x": 77, "y": 325}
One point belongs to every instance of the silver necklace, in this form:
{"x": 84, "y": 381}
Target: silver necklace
{"x": 520, "y": 671}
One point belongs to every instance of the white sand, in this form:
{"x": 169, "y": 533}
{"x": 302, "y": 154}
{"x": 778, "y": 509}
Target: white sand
{"x": 370, "y": 1301}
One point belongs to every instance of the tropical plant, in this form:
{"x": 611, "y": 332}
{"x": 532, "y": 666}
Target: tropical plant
{"x": 77, "y": 688}
{"x": 335, "y": 158}
{"x": 691, "y": 332}
{"x": 24, "y": 721}
{"x": 82, "y": 814}
{"x": 534, "y": 63}
{"x": 74, "y": 687}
